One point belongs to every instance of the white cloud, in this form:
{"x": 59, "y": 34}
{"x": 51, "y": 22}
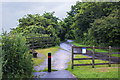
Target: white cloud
{"x": 12, "y": 11}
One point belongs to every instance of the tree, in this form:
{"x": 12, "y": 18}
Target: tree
{"x": 39, "y": 26}
{"x": 106, "y": 30}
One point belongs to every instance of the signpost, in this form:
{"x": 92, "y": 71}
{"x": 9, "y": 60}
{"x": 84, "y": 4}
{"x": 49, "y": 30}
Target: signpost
{"x": 83, "y": 50}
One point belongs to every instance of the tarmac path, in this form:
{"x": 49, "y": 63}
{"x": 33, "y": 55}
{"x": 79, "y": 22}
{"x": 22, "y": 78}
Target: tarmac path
{"x": 59, "y": 61}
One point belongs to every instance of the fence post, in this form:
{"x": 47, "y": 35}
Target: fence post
{"x": 72, "y": 58}
{"x": 93, "y": 56}
{"x": 109, "y": 56}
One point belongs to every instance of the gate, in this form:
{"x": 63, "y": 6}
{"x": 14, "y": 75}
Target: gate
{"x": 93, "y": 53}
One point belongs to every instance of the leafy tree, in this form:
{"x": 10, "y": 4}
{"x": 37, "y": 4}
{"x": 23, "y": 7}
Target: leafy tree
{"x": 39, "y": 26}
{"x": 80, "y": 22}
{"x": 106, "y": 31}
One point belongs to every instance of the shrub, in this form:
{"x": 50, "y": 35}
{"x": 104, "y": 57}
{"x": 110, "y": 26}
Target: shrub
{"x": 16, "y": 60}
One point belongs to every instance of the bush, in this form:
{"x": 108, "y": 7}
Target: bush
{"x": 16, "y": 60}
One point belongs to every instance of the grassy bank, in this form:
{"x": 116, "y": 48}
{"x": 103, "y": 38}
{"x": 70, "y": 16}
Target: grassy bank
{"x": 44, "y": 52}
{"x": 97, "y": 50}
{"x": 100, "y": 71}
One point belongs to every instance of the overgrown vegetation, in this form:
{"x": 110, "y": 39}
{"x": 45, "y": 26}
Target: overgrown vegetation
{"x": 16, "y": 60}
{"x": 0, "y": 68}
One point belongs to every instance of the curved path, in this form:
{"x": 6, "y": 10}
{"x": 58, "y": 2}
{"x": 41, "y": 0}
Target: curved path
{"x": 60, "y": 61}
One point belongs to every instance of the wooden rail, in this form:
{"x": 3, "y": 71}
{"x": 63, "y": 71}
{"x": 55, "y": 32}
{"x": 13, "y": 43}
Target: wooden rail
{"x": 93, "y": 56}
{"x": 37, "y": 42}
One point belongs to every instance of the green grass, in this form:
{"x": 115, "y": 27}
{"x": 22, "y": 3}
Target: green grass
{"x": 100, "y": 71}
{"x": 80, "y": 45}
{"x": 97, "y": 50}
{"x": 37, "y": 61}
{"x": 46, "y": 69}
{"x": 47, "y": 50}
{"x": 115, "y": 55}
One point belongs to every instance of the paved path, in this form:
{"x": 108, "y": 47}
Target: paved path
{"x": 60, "y": 61}
{"x": 55, "y": 74}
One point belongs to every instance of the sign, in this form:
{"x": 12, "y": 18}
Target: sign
{"x": 83, "y": 50}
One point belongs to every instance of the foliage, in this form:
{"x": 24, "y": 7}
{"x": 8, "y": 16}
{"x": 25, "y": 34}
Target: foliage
{"x": 39, "y": 26}
{"x": 106, "y": 30}
{"x": 0, "y": 67}
{"x": 16, "y": 60}
{"x": 93, "y": 23}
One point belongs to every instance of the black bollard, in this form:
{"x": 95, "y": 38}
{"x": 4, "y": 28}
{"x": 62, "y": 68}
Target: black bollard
{"x": 49, "y": 62}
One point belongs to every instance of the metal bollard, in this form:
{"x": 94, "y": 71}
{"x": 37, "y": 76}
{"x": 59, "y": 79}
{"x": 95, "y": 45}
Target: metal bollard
{"x": 49, "y": 62}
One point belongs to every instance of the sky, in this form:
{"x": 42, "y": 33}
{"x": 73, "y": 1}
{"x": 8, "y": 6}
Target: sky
{"x": 12, "y": 11}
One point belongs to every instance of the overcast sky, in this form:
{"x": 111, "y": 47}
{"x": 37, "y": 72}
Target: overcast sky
{"x": 12, "y": 11}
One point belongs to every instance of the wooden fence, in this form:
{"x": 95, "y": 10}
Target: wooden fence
{"x": 93, "y": 55}
{"x": 38, "y": 42}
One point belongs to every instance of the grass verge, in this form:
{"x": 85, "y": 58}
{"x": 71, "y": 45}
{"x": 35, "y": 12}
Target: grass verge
{"x": 47, "y": 50}
{"x": 37, "y": 61}
{"x": 45, "y": 70}
{"x": 100, "y": 71}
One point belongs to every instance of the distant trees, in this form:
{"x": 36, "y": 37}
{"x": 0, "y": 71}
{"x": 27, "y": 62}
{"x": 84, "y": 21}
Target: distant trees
{"x": 37, "y": 26}
{"x": 93, "y": 23}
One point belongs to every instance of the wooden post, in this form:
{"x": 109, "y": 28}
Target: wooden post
{"x": 109, "y": 56}
{"x": 72, "y": 58}
{"x": 49, "y": 62}
{"x": 93, "y": 57}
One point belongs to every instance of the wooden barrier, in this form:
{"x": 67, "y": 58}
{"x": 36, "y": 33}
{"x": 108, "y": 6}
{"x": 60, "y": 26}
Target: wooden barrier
{"x": 93, "y": 56}
{"x": 37, "y": 42}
